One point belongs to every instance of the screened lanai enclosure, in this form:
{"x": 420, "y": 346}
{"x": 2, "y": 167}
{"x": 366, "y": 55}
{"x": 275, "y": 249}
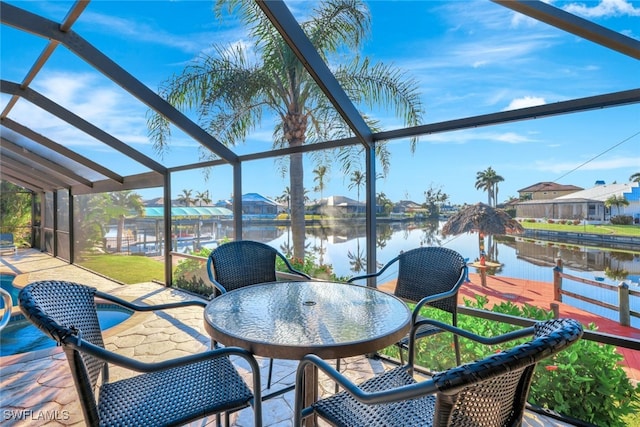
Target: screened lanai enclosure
{"x": 80, "y": 122}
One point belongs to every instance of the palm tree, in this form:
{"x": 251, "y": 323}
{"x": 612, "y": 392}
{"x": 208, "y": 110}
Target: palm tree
{"x": 285, "y": 197}
{"x": 319, "y": 173}
{"x": 357, "y": 180}
{"x": 385, "y": 202}
{"x": 616, "y": 201}
{"x": 635, "y": 177}
{"x": 488, "y": 180}
{"x": 232, "y": 89}
{"x": 185, "y": 198}
{"x": 124, "y": 203}
{"x": 202, "y": 197}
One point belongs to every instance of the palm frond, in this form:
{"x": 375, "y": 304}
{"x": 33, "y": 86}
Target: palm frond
{"x": 338, "y": 24}
{"x": 382, "y": 85}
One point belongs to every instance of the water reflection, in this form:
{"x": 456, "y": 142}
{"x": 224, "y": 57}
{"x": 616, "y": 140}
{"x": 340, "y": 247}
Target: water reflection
{"x": 343, "y": 246}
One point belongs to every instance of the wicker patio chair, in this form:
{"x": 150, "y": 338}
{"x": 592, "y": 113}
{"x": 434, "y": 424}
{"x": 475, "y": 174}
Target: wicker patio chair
{"x": 428, "y": 276}
{"x": 7, "y": 243}
{"x": 242, "y": 263}
{"x": 172, "y": 392}
{"x": 490, "y": 392}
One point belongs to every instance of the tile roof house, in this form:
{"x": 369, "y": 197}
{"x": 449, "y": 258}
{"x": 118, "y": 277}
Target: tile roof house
{"x": 586, "y": 204}
{"x": 546, "y": 190}
{"x": 255, "y": 205}
{"x": 340, "y": 206}
{"x": 406, "y": 206}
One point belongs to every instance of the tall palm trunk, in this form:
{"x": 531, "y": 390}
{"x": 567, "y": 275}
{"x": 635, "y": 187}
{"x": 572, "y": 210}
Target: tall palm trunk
{"x": 295, "y": 126}
{"x": 119, "y": 234}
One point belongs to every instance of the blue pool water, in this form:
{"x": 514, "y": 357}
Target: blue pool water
{"x": 6, "y": 282}
{"x": 20, "y": 336}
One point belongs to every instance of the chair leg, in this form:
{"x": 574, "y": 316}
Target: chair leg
{"x": 456, "y": 345}
{"x": 401, "y": 354}
{"x": 270, "y": 372}
{"x": 337, "y": 369}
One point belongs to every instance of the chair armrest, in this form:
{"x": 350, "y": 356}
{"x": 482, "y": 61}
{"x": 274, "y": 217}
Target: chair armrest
{"x": 300, "y": 273}
{"x": 218, "y": 286}
{"x": 290, "y": 267}
{"x": 364, "y": 276}
{"x": 499, "y": 339}
{"x": 213, "y": 281}
{"x": 521, "y": 333}
{"x": 432, "y": 298}
{"x": 436, "y": 297}
{"x": 138, "y": 307}
{"x": 78, "y": 343}
{"x": 382, "y": 270}
{"x": 386, "y": 396}
{"x": 135, "y": 365}
{"x": 8, "y": 304}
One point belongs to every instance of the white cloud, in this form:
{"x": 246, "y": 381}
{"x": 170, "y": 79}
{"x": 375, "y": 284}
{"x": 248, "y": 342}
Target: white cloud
{"x": 511, "y": 138}
{"x": 142, "y": 32}
{"x": 92, "y": 98}
{"x": 603, "y": 9}
{"x": 524, "y": 102}
{"x": 474, "y": 136}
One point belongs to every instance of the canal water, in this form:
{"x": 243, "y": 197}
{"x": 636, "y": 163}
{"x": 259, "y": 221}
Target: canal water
{"x": 342, "y": 244}
{"x": 344, "y": 247}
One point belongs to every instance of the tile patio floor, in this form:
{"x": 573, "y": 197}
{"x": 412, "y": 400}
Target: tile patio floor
{"x": 38, "y": 386}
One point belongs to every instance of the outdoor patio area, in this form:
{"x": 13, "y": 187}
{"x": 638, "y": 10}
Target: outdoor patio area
{"x": 37, "y": 388}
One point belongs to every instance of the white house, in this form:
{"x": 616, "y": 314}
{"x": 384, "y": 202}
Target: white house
{"x": 587, "y": 204}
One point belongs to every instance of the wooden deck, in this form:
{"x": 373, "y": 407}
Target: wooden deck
{"x": 540, "y": 294}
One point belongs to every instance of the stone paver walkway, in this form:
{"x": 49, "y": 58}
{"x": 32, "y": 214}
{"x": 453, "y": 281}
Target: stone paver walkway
{"x": 37, "y": 389}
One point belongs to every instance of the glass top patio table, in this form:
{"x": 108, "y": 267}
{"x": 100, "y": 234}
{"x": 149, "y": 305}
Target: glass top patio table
{"x": 287, "y": 320}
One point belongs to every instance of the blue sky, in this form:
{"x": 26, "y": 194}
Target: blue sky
{"x": 468, "y": 57}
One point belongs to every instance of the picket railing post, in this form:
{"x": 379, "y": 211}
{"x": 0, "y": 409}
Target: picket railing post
{"x": 623, "y": 304}
{"x": 557, "y": 281}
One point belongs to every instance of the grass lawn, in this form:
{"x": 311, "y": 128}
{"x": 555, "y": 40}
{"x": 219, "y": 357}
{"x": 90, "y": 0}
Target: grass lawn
{"x": 126, "y": 269}
{"x": 614, "y": 230}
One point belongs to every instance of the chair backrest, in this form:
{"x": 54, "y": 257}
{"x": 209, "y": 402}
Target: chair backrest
{"x": 494, "y": 391}
{"x": 242, "y": 263}
{"x": 6, "y": 240}
{"x": 60, "y": 310}
{"x": 428, "y": 271}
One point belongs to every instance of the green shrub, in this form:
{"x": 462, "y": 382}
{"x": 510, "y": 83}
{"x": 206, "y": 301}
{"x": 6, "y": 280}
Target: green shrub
{"x": 308, "y": 266}
{"x": 585, "y": 381}
{"x": 191, "y": 275}
{"x": 622, "y": 220}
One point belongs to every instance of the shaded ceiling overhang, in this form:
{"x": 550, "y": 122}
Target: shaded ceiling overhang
{"x": 41, "y": 162}
{"x": 60, "y": 149}
{"x": 79, "y": 123}
{"x": 130, "y": 182}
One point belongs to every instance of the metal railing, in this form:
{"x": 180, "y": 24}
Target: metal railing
{"x": 623, "y": 307}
